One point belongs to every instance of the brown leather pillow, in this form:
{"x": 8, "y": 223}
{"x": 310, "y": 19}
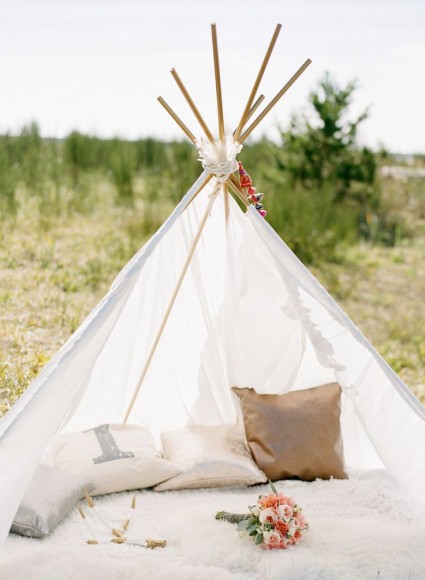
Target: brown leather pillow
{"x": 295, "y": 435}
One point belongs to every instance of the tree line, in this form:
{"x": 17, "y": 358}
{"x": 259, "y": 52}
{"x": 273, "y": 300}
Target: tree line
{"x": 322, "y": 188}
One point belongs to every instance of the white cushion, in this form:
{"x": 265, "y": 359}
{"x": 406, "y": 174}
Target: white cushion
{"x": 114, "y": 457}
{"x": 50, "y": 495}
{"x": 209, "y": 456}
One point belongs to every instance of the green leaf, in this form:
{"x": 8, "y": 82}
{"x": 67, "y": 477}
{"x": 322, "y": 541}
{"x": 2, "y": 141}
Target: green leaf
{"x": 253, "y": 533}
{"x": 274, "y": 490}
{"x": 251, "y": 528}
{"x": 259, "y": 538}
{"x": 242, "y": 526}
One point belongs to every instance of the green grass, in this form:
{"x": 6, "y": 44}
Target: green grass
{"x": 382, "y": 290}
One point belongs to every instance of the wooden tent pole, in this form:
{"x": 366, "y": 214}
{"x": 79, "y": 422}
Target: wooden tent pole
{"x": 226, "y": 202}
{"x": 252, "y": 110}
{"x": 189, "y": 133}
{"x": 172, "y": 301}
{"x": 192, "y": 105}
{"x": 198, "y": 191}
{"x": 232, "y": 181}
{"x": 220, "y": 112}
{"x": 191, "y": 136}
{"x": 234, "y": 186}
{"x": 238, "y": 192}
{"x": 177, "y": 120}
{"x": 254, "y": 90}
{"x": 272, "y": 103}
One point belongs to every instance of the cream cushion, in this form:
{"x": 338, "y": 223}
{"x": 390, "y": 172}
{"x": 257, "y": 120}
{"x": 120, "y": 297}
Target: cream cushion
{"x": 114, "y": 457}
{"x": 209, "y": 456}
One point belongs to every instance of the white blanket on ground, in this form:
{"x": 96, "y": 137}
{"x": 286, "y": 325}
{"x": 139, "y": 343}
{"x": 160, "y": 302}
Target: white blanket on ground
{"x": 359, "y": 529}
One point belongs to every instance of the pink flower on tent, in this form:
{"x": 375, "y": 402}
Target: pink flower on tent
{"x": 251, "y": 192}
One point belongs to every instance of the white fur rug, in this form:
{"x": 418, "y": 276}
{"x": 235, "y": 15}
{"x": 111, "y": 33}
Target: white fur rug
{"x": 359, "y": 529}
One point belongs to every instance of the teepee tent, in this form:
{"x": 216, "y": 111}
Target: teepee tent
{"x": 215, "y": 299}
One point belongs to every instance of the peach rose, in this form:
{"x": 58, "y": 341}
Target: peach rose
{"x": 273, "y": 540}
{"x": 281, "y": 527}
{"x": 284, "y": 512}
{"x": 268, "y": 516}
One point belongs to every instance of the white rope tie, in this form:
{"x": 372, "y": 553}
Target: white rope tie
{"x": 221, "y": 170}
{"x": 219, "y": 158}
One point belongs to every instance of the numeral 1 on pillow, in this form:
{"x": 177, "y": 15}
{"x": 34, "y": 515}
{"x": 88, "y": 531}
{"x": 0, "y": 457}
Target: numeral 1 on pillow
{"x": 110, "y": 449}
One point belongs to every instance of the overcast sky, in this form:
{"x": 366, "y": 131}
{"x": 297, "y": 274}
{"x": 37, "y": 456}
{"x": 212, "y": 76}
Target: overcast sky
{"x": 98, "y": 65}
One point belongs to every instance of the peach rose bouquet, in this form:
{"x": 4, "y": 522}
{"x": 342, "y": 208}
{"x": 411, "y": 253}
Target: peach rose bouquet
{"x": 275, "y": 521}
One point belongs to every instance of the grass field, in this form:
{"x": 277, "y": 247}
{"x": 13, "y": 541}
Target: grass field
{"x": 56, "y": 265}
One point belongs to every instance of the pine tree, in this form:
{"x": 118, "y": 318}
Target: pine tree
{"x": 321, "y": 149}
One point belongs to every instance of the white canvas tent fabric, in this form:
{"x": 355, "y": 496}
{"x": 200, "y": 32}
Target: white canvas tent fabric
{"x": 248, "y": 314}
